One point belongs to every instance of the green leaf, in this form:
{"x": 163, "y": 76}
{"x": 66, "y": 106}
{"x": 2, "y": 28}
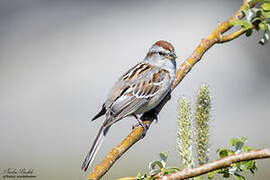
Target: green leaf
{"x": 259, "y": 12}
{"x": 238, "y": 147}
{"x": 233, "y": 141}
{"x": 223, "y": 153}
{"x": 247, "y": 149}
{"x": 238, "y": 143}
{"x": 168, "y": 171}
{"x": 154, "y": 172}
{"x": 212, "y": 174}
{"x": 251, "y": 14}
{"x": 263, "y": 25}
{"x": 233, "y": 170}
{"x": 226, "y": 174}
{"x": 163, "y": 157}
{"x": 247, "y": 166}
{"x": 243, "y": 139}
{"x": 253, "y": 169}
{"x": 265, "y": 38}
{"x": 266, "y": 14}
{"x": 243, "y": 23}
{"x": 245, "y": 12}
{"x": 139, "y": 175}
{"x": 256, "y": 20}
{"x": 251, "y": 165}
{"x": 266, "y": 6}
{"x": 239, "y": 177}
{"x": 236, "y": 169}
{"x": 143, "y": 177}
{"x": 173, "y": 168}
{"x": 153, "y": 164}
{"x": 253, "y": 2}
{"x": 249, "y": 32}
{"x": 198, "y": 178}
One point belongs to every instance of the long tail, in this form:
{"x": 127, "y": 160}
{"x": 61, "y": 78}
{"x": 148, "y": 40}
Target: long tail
{"x": 96, "y": 144}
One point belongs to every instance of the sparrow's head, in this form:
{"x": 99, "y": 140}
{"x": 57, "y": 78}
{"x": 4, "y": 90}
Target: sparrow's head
{"x": 160, "y": 53}
{"x": 162, "y": 50}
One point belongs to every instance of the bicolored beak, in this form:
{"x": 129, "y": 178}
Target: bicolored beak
{"x": 172, "y": 56}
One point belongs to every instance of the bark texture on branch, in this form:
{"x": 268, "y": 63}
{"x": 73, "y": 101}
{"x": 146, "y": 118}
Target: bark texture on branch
{"x": 137, "y": 133}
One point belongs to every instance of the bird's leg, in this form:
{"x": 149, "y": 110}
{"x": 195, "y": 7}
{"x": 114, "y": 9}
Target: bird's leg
{"x": 153, "y": 113}
{"x": 145, "y": 127}
{"x": 150, "y": 115}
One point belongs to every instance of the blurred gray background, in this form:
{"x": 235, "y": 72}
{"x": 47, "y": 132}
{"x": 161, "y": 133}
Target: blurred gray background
{"x": 59, "y": 58}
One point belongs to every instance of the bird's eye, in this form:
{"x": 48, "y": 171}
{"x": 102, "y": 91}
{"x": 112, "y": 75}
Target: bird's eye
{"x": 161, "y": 53}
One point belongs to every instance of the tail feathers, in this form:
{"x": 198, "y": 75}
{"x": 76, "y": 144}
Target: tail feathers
{"x": 101, "y": 113}
{"x": 95, "y": 147}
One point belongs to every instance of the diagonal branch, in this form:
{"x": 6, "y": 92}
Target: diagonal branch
{"x": 137, "y": 133}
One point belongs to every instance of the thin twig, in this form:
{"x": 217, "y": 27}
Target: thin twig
{"x": 233, "y": 35}
{"x": 218, "y": 164}
{"x": 212, "y": 166}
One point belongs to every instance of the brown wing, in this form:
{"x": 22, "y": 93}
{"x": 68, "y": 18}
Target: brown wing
{"x": 134, "y": 89}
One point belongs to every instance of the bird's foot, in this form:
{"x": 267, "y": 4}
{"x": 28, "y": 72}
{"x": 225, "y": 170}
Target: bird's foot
{"x": 153, "y": 113}
{"x": 150, "y": 115}
{"x": 140, "y": 122}
{"x": 145, "y": 128}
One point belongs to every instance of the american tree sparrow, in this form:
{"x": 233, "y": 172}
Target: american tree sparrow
{"x": 139, "y": 90}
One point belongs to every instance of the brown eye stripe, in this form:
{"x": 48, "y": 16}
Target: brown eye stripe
{"x": 150, "y": 54}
